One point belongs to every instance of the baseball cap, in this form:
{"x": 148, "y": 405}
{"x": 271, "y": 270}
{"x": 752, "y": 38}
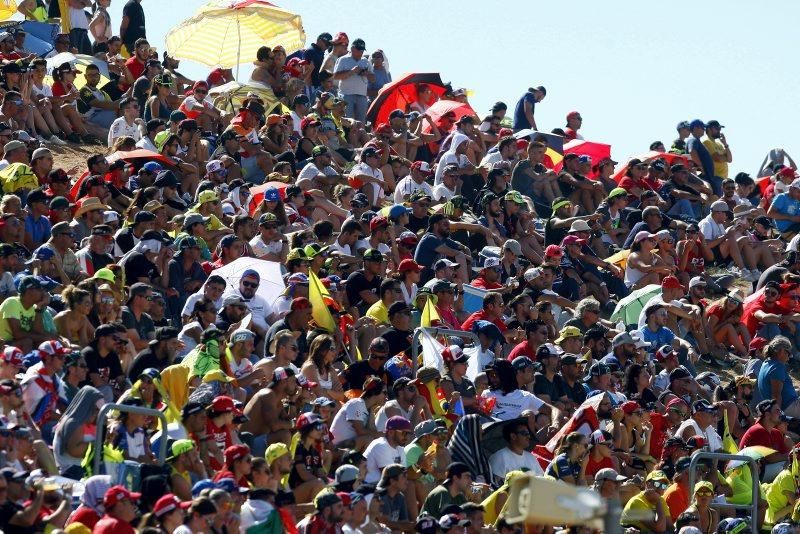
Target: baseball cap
{"x": 454, "y": 354}
{"x": 572, "y": 240}
{"x": 721, "y": 205}
{"x": 344, "y": 473}
{"x": 703, "y": 405}
{"x": 622, "y": 338}
{"x": 449, "y": 521}
{"x": 223, "y": 404}
{"x": 664, "y": 352}
{"x": 630, "y": 407}
{"x": 697, "y": 281}
{"x": 568, "y": 332}
{"x": 656, "y": 475}
{"x": 671, "y": 282}
{"x": 426, "y": 524}
{"x": 398, "y": 422}
{"x": 168, "y": 503}
{"x": 609, "y": 474}
{"x": 679, "y": 373}
{"x": 521, "y": 363}
{"x": 115, "y": 494}
{"x": 443, "y": 264}
{"x": 305, "y": 420}
{"x": 644, "y": 234}
{"x": 408, "y": 265}
{"x": 757, "y": 343}
{"x": 275, "y": 451}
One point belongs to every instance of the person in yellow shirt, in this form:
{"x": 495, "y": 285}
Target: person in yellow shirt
{"x": 650, "y": 501}
{"x": 389, "y": 293}
{"x": 208, "y": 205}
{"x": 717, "y": 146}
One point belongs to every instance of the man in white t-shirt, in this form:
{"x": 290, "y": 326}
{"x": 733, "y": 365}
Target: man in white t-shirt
{"x": 318, "y": 173}
{"x": 704, "y": 418}
{"x": 369, "y": 173}
{"x": 510, "y": 405}
{"x": 420, "y": 171}
{"x": 270, "y": 244}
{"x": 724, "y": 242}
{"x": 447, "y": 189}
{"x": 516, "y": 455}
{"x": 506, "y": 150}
{"x": 212, "y": 290}
{"x": 387, "y": 450}
{"x": 128, "y": 124}
{"x": 299, "y": 110}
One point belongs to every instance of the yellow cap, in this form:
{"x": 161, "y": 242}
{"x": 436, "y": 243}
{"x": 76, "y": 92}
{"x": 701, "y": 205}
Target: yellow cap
{"x": 275, "y": 451}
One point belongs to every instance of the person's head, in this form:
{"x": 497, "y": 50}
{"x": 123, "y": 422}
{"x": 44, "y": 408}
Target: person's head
{"x": 607, "y": 482}
{"x": 704, "y": 413}
{"x": 141, "y": 48}
{"x": 398, "y": 429}
{"x": 458, "y": 476}
{"x": 518, "y": 436}
{"x": 574, "y": 446}
{"x": 780, "y": 348}
{"x": 120, "y": 503}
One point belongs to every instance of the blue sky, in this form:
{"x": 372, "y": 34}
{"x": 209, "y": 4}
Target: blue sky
{"x": 633, "y": 69}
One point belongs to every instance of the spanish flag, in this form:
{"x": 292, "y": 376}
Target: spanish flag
{"x": 430, "y": 317}
{"x": 319, "y": 311}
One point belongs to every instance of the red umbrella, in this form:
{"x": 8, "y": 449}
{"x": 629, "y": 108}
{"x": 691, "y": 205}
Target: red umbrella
{"x": 596, "y": 151}
{"x": 257, "y": 193}
{"x": 401, "y": 94}
{"x": 442, "y": 107}
{"x": 137, "y": 158}
{"x": 670, "y": 158}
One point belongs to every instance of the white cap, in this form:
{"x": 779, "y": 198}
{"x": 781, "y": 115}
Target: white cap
{"x": 490, "y": 263}
{"x": 720, "y": 205}
{"x": 532, "y": 273}
{"x": 697, "y": 281}
{"x": 795, "y": 183}
{"x": 110, "y": 215}
{"x": 580, "y": 226}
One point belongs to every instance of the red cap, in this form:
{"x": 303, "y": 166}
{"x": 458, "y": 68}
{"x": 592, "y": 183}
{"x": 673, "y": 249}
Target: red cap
{"x": 696, "y": 442}
{"x": 235, "y": 452}
{"x": 308, "y": 121}
{"x": 300, "y": 303}
{"x": 341, "y": 38}
{"x": 757, "y": 343}
{"x": 216, "y": 76}
{"x": 671, "y": 282}
{"x": 423, "y": 167}
{"x": 676, "y": 401}
{"x": 573, "y": 114}
{"x": 573, "y": 240}
{"x": 787, "y": 172}
{"x": 115, "y": 494}
{"x": 662, "y": 355}
{"x": 329, "y": 302}
{"x": 522, "y": 144}
{"x": 408, "y": 265}
{"x": 383, "y": 129}
{"x": 553, "y": 251}
{"x": 307, "y": 419}
{"x": 345, "y": 497}
{"x": 630, "y": 406}
{"x": 168, "y": 503}
{"x": 199, "y": 83}
{"x": 377, "y": 223}
{"x": 505, "y": 132}
{"x": 223, "y": 404}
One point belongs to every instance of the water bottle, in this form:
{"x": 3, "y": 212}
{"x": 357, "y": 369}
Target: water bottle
{"x": 621, "y": 326}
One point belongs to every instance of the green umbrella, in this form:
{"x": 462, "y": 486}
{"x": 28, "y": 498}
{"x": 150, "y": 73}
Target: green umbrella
{"x": 757, "y": 452}
{"x": 629, "y": 308}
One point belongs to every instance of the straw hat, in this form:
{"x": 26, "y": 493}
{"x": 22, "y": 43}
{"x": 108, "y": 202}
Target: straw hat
{"x": 90, "y": 204}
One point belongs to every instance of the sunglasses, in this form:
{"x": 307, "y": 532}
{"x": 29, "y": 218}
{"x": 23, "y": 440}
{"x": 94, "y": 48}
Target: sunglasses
{"x": 704, "y": 493}
{"x": 252, "y": 285}
{"x": 660, "y": 485}
{"x": 771, "y": 293}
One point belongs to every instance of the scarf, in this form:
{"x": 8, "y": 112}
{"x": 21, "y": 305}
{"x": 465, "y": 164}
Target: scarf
{"x": 465, "y": 446}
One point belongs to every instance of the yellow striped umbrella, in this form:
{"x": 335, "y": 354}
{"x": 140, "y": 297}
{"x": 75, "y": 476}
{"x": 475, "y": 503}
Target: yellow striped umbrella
{"x": 226, "y": 32}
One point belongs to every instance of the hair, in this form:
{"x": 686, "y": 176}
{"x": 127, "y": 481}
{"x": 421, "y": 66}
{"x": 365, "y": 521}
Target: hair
{"x": 318, "y": 350}
{"x": 569, "y": 441}
{"x": 279, "y": 211}
{"x": 777, "y": 343}
{"x": 512, "y": 429}
{"x": 492, "y": 297}
{"x": 388, "y": 284}
{"x": 350, "y": 226}
{"x": 323, "y": 229}
{"x": 123, "y": 143}
{"x": 631, "y": 376}
{"x": 202, "y": 305}
{"x": 282, "y": 338}
{"x": 262, "y": 54}
{"x": 585, "y": 304}
{"x": 73, "y": 295}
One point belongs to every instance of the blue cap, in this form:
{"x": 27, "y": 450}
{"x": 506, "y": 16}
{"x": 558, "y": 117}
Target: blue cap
{"x": 152, "y": 166}
{"x": 271, "y": 194}
{"x": 47, "y": 283}
{"x": 697, "y": 123}
{"x": 398, "y": 210}
{"x": 200, "y": 485}
{"x": 43, "y": 254}
{"x": 251, "y": 272}
{"x": 487, "y": 328}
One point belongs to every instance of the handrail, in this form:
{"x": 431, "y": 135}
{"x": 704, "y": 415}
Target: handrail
{"x": 698, "y": 455}
{"x": 140, "y": 410}
{"x": 434, "y": 331}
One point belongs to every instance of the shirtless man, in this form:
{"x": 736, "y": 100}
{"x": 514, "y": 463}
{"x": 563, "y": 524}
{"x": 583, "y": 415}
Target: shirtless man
{"x": 271, "y": 411}
{"x": 284, "y": 349}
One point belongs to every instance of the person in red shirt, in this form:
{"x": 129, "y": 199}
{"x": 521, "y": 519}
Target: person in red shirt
{"x": 219, "y": 426}
{"x": 238, "y": 465}
{"x": 489, "y": 277}
{"x": 601, "y": 446}
{"x": 764, "y": 433}
{"x": 120, "y": 507}
{"x": 138, "y": 61}
{"x": 677, "y": 495}
{"x": 492, "y": 311}
{"x": 765, "y": 311}
{"x": 444, "y": 293}
{"x": 535, "y": 335}
{"x": 635, "y": 180}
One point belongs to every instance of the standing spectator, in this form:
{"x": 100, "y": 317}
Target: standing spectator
{"x": 717, "y": 146}
{"x": 381, "y": 71}
{"x": 353, "y": 72}
{"x": 132, "y": 27}
{"x": 701, "y": 156}
{"x": 524, "y": 110}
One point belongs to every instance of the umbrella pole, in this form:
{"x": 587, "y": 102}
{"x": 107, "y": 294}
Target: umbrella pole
{"x": 238, "y": 47}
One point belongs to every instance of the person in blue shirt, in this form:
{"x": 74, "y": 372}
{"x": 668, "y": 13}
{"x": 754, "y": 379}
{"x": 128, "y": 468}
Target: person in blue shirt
{"x": 523, "y": 111}
{"x": 37, "y": 225}
{"x": 568, "y": 466}
{"x": 785, "y": 210}
{"x": 436, "y": 244}
{"x": 657, "y": 334}
{"x": 701, "y": 156}
{"x": 773, "y": 378}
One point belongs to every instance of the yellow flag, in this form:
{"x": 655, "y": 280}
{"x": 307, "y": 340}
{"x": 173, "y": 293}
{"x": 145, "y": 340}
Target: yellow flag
{"x": 319, "y": 310}
{"x": 430, "y": 316}
{"x": 728, "y": 443}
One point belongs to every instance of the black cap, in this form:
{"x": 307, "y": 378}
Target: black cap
{"x": 714, "y": 124}
{"x": 703, "y": 406}
{"x": 105, "y": 330}
{"x": 191, "y": 408}
{"x": 143, "y": 217}
{"x": 398, "y": 307}
{"x": 359, "y": 44}
{"x": 682, "y": 464}
{"x": 102, "y": 229}
{"x": 155, "y": 234}
{"x": 679, "y": 373}
{"x": 166, "y": 332}
{"x": 764, "y": 221}
{"x": 436, "y": 218}
{"x": 325, "y": 36}
{"x": 457, "y": 469}
{"x": 165, "y": 179}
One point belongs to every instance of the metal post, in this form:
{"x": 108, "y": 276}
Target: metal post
{"x": 434, "y": 331}
{"x": 101, "y": 423}
{"x": 238, "y": 46}
{"x": 751, "y": 462}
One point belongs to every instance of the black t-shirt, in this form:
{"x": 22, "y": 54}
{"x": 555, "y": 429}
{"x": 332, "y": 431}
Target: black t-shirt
{"x": 108, "y": 368}
{"x": 138, "y": 266}
{"x": 144, "y": 326}
{"x": 136, "y": 28}
{"x": 575, "y": 393}
{"x": 399, "y": 341}
{"x": 543, "y": 386}
{"x": 357, "y": 374}
{"x": 356, "y": 283}
{"x": 124, "y": 239}
{"x": 145, "y": 360}
{"x": 310, "y": 458}
{"x": 141, "y": 90}
{"x": 7, "y": 511}
{"x": 415, "y": 224}
{"x": 101, "y": 260}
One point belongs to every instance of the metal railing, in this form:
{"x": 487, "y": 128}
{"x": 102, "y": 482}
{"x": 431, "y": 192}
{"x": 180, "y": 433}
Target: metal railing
{"x": 101, "y": 423}
{"x": 434, "y": 331}
{"x": 751, "y": 462}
